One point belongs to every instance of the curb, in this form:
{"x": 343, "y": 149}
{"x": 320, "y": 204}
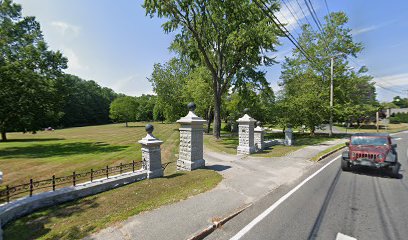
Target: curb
{"x": 330, "y": 153}
{"x": 217, "y": 223}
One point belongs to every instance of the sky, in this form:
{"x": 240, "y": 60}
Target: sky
{"x": 115, "y": 44}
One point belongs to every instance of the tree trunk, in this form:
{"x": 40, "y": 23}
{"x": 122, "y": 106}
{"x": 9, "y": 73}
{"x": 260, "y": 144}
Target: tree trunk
{"x": 126, "y": 124}
{"x": 3, "y": 135}
{"x": 209, "y": 117}
{"x": 312, "y": 131}
{"x": 217, "y": 115}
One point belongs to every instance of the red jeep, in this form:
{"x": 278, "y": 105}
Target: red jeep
{"x": 371, "y": 150}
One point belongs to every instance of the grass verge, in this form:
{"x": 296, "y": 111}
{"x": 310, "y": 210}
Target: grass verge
{"x": 228, "y": 143}
{"x": 327, "y": 151}
{"x": 371, "y": 128}
{"x": 77, "y": 219}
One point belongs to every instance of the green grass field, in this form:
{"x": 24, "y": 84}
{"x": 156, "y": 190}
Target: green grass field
{"x": 61, "y": 152}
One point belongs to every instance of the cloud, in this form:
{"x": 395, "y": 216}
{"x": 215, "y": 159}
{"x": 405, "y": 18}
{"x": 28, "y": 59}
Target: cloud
{"x": 358, "y": 31}
{"x": 65, "y": 28}
{"x": 396, "y": 80}
{"x": 366, "y": 29}
{"x": 73, "y": 60}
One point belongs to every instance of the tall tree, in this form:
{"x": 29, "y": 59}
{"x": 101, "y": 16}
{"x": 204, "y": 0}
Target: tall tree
{"x": 306, "y": 88}
{"x": 28, "y": 73}
{"x": 124, "y": 109}
{"x": 168, "y": 81}
{"x": 227, "y": 37}
{"x": 83, "y": 102}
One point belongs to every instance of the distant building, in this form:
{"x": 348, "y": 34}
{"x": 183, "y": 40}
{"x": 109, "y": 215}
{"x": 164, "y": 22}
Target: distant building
{"x": 392, "y": 111}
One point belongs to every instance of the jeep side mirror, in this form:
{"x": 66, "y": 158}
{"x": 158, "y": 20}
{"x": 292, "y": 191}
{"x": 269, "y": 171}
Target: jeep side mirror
{"x": 347, "y": 144}
{"x": 394, "y": 145}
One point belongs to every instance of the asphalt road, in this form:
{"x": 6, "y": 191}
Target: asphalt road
{"x": 363, "y": 204}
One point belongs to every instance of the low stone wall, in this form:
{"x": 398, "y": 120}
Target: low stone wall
{"x": 26, "y": 205}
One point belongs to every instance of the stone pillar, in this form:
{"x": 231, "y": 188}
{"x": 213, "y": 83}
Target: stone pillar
{"x": 289, "y": 136}
{"x": 259, "y": 137}
{"x": 191, "y": 141}
{"x": 246, "y": 134}
{"x": 1, "y": 177}
{"x": 151, "y": 154}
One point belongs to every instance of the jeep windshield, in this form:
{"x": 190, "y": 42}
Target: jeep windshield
{"x": 372, "y": 141}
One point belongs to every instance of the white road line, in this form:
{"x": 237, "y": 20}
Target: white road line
{"x": 260, "y": 217}
{"x": 341, "y": 236}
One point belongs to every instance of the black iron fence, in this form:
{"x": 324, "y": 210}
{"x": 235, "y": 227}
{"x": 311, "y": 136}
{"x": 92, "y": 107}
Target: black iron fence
{"x": 17, "y": 191}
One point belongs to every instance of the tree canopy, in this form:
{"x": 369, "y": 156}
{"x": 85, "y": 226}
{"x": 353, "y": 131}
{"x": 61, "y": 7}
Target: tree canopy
{"x": 230, "y": 38}
{"x": 28, "y": 71}
{"x": 306, "y": 86}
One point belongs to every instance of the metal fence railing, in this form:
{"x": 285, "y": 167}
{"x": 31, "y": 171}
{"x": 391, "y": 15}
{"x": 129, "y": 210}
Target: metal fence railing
{"x": 17, "y": 191}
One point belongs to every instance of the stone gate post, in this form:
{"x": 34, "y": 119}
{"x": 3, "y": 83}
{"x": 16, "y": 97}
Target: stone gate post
{"x": 259, "y": 137}
{"x": 289, "y": 136}
{"x": 246, "y": 134}
{"x": 191, "y": 141}
{"x": 151, "y": 153}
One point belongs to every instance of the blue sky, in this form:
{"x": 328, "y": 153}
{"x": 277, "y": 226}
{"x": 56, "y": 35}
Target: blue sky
{"x": 115, "y": 44}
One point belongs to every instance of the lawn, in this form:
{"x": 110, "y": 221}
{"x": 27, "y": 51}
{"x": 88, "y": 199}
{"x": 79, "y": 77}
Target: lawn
{"x": 77, "y": 219}
{"x": 229, "y": 142}
{"x": 329, "y": 150}
{"x": 371, "y": 128}
{"x": 61, "y": 152}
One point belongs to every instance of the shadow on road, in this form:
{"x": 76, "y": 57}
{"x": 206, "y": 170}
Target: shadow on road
{"x": 218, "y": 168}
{"x": 382, "y": 173}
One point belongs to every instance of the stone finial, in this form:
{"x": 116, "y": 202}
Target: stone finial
{"x": 149, "y": 128}
{"x": 191, "y": 106}
{"x": 259, "y": 124}
{"x": 246, "y": 110}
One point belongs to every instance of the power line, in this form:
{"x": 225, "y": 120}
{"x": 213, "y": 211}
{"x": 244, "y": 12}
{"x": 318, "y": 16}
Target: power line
{"x": 312, "y": 13}
{"x": 293, "y": 15}
{"x": 281, "y": 27}
{"x": 328, "y": 11}
{"x": 379, "y": 84}
{"x": 307, "y": 19}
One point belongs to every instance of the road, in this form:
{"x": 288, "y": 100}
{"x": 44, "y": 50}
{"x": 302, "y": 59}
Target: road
{"x": 330, "y": 204}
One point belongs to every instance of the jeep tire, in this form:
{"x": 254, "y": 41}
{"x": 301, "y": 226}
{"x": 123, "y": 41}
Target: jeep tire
{"x": 395, "y": 170}
{"x": 345, "y": 165}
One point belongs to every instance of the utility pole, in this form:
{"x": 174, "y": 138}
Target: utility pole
{"x": 331, "y": 96}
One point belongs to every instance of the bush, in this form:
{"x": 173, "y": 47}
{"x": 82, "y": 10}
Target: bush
{"x": 399, "y": 118}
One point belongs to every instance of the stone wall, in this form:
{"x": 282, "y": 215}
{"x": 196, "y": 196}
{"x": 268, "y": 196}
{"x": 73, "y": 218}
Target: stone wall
{"x": 27, "y": 205}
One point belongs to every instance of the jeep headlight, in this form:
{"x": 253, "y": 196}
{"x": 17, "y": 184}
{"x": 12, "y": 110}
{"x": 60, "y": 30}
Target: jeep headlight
{"x": 353, "y": 154}
{"x": 380, "y": 157}
{"x": 390, "y": 157}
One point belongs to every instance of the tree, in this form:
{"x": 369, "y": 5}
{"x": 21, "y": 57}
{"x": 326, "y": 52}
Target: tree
{"x": 146, "y": 104}
{"x": 227, "y": 37}
{"x": 83, "y": 102}
{"x": 168, "y": 81}
{"x": 306, "y": 89}
{"x": 28, "y": 73}
{"x": 198, "y": 89}
{"x": 124, "y": 109}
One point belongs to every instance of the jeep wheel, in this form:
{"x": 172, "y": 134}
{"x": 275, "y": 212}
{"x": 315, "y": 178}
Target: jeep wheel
{"x": 345, "y": 165}
{"x": 395, "y": 170}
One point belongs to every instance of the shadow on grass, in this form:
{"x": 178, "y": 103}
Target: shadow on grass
{"x": 174, "y": 175}
{"x": 33, "y": 140}
{"x": 62, "y": 149}
{"x": 35, "y": 226}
